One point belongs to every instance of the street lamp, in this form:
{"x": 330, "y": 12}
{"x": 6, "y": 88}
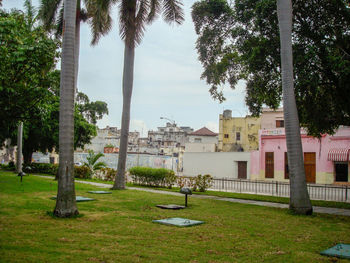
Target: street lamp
{"x": 172, "y": 121}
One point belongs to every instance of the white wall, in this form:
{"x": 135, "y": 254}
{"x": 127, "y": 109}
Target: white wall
{"x": 200, "y": 147}
{"x": 204, "y": 139}
{"x": 217, "y": 164}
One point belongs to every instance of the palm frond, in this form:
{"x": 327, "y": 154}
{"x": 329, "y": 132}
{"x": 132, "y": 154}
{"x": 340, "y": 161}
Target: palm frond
{"x": 127, "y": 13}
{"x": 99, "y": 165}
{"x": 155, "y": 10}
{"x": 30, "y": 13}
{"x": 143, "y": 8}
{"x": 47, "y": 12}
{"x": 95, "y": 157}
{"x": 59, "y": 23}
{"x": 172, "y": 11}
{"x": 101, "y": 21}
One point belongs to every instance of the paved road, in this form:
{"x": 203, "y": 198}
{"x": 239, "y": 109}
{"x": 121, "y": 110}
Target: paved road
{"x": 316, "y": 209}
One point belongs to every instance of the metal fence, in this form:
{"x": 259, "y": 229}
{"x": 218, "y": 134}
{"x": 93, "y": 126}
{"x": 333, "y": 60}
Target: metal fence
{"x": 275, "y": 188}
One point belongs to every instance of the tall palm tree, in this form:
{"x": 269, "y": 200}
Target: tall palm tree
{"x": 299, "y": 196}
{"x": 66, "y": 203}
{"x": 51, "y": 14}
{"x": 134, "y": 15}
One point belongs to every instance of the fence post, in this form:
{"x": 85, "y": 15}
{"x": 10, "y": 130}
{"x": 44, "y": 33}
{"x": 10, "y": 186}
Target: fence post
{"x": 276, "y": 188}
{"x": 346, "y": 193}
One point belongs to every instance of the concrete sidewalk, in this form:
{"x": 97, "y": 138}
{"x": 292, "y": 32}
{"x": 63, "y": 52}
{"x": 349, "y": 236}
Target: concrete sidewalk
{"x": 316, "y": 209}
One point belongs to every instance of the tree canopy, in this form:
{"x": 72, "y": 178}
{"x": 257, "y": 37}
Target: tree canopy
{"x": 241, "y": 41}
{"x": 27, "y": 56}
{"x": 29, "y": 88}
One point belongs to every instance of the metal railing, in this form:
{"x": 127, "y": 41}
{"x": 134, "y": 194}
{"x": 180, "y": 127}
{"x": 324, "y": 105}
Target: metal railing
{"x": 281, "y": 189}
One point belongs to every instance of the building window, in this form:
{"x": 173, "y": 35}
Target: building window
{"x": 269, "y": 165}
{"x": 197, "y": 139}
{"x": 341, "y": 172}
{"x": 225, "y": 135}
{"x": 279, "y": 123}
{"x": 238, "y": 136}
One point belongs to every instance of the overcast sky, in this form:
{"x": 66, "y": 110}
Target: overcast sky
{"x": 166, "y": 79}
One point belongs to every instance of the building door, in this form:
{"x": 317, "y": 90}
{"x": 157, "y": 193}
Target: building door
{"x": 310, "y": 167}
{"x": 341, "y": 172}
{"x": 242, "y": 170}
{"x": 269, "y": 165}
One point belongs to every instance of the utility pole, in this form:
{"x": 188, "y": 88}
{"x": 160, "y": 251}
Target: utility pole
{"x": 19, "y": 147}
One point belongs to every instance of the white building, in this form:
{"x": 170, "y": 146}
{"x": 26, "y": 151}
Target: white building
{"x": 202, "y": 140}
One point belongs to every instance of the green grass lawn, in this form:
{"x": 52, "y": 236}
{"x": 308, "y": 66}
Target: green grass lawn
{"x": 118, "y": 228}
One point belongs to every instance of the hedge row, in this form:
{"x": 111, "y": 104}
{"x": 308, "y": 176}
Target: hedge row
{"x": 153, "y": 176}
{"x": 52, "y": 169}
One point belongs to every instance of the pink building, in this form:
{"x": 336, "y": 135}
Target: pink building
{"x": 326, "y": 160}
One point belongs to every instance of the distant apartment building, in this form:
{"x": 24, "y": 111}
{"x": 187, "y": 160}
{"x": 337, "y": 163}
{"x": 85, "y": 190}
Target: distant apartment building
{"x": 202, "y": 140}
{"x": 238, "y": 134}
{"x": 109, "y": 137}
{"x": 170, "y": 139}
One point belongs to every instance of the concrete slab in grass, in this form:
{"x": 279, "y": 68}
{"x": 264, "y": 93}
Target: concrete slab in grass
{"x": 171, "y": 206}
{"x": 78, "y": 198}
{"x": 99, "y": 192}
{"x": 177, "y": 221}
{"x": 339, "y": 250}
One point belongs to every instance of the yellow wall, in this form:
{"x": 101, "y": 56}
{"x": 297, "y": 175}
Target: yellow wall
{"x": 248, "y": 128}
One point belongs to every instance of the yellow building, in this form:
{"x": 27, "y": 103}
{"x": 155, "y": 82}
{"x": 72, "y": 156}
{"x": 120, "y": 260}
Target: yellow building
{"x": 238, "y": 133}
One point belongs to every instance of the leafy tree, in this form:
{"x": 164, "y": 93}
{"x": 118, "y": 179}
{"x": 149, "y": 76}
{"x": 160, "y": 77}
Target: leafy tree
{"x": 134, "y": 15}
{"x": 92, "y": 162}
{"x": 299, "y": 197}
{"x": 65, "y": 202}
{"x": 92, "y": 110}
{"x": 241, "y": 41}
{"x": 27, "y": 57}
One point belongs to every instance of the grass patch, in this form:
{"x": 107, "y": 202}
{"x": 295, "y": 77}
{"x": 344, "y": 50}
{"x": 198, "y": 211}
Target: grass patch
{"x": 254, "y": 197}
{"x": 265, "y": 198}
{"x": 118, "y": 228}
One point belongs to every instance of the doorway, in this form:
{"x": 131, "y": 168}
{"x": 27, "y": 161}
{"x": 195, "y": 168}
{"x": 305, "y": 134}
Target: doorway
{"x": 341, "y": 172}
{"x": 242, "y": 170}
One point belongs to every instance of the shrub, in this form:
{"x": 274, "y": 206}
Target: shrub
{"x": 82, "y": 172}
{"x": 10, "y": 166}
{"x": 153, "y": 176}
{"x": 203, "y": 182}
{"x": 107, "y": 174}
{"x": 44, "y": 168}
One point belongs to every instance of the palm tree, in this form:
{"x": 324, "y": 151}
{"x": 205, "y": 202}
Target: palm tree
{"x": 51, "y": 14}
{"x": 66, "y": 203}
{"x": 92, "y": 163}
{"x": 134, "y": 15}
{"x": 299, "y": 196}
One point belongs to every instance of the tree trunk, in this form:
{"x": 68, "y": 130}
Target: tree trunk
{"x": 19, "y": 147}
{"x": 299, "y": 196}
{"x": 128, "y": 77}
{"x": 66, "y": 202}
{"x": 77, "y": 46}
{"x": 27, "y": 156}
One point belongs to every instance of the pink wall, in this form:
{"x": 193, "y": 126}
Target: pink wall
{"x": 254, "y": 162}
{"x": 277, "y": 144}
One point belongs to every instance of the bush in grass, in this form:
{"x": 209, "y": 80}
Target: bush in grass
{"x": 153, "y": 176}
{"x": 203, "y": 182}
{"x": 106, "y": 174}
{"x": 10, "y": 166}
{"x": 82, "y": 172}
{"x": 43, "y": 168}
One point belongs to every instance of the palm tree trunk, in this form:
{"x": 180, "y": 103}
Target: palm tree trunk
{"x": 77, "y": 45}
{"x": 299, "y": 196}
{"x": 66, "y": 203}
{"x": 128, "y": 78}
